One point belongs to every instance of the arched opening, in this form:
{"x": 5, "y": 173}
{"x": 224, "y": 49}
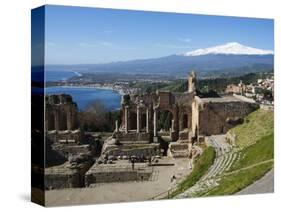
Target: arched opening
{"x": 133, "y": 121}
{"x": 185, "y": 121}
{"x": 143, "y": 122}
{"x": 51, "y": 121}
{"x": 63, "y": 121}
{"x": 164, "y": 120}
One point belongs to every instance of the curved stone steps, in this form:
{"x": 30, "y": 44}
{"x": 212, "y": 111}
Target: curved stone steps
{"x": 225, "y": 158}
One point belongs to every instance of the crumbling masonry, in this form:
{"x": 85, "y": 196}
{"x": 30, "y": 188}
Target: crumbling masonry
{"x": 193, "y": 117}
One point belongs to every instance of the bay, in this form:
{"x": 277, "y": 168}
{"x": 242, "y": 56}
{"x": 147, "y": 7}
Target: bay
{"x": 85, "y": 96}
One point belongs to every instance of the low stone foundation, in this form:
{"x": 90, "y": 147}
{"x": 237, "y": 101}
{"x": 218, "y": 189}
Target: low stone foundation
{"x": 138, "y": 150}
{"x": 70, "y": 137}
{"x": 59, "y": 178}
{"x": 66, "y": 175}
{"x": 184, "y": 135}
{"x": 177, "y": 149}
{"x": 133, "y": 136}
{"x": 106, "y": 173}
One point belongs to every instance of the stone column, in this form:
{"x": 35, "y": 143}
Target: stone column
{"x": 173, "y": 125}
{"x": 126, "y": 119}
{"x": 116, "y": 126}
{"x": 69, "y": 120}
{"x": 138, "y": 119}
{"x": 155, "y": 123}
{"x": 147, "y": 121}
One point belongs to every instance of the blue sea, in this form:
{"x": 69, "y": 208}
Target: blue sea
{"x": 87, "y": 96}
{"x": 83, "y": 96}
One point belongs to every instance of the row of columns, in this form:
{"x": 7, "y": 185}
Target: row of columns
{"x": 59, "y": 121}
{"x": 155, "y": 113}
{"x": 138, "y": 119}
{"x": 147, "y": 121}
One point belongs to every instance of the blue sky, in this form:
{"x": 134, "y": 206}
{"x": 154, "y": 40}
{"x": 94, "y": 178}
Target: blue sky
{"x": 76, "y": 35}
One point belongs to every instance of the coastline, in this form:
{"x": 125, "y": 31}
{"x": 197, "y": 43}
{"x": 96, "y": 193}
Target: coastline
{"x": 119, "y": 91}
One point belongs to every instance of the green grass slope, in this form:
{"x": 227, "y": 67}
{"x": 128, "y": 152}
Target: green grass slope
{"x": 257, "y": 125}
{"x": 231, "y": 184}
{"x": 262, "y": 150}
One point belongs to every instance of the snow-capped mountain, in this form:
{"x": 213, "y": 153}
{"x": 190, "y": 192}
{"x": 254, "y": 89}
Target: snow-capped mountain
{"x": 229, "y": 48}
{"x": 230, "y": 57}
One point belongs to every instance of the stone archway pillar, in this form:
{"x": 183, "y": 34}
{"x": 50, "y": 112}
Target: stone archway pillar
{"x": 147, "y": 121}
{"x": 155, "y": 122}
{"x": 138, "y": 119}
{"x": 126, "y": 119}
{"x": 116, "y": 126}
{"x": 173, "y": 126}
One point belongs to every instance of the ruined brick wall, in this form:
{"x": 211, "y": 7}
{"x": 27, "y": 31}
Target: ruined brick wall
{"x": 165, "y": 99}
{"x": 61, "y": 112}
{"x": 218, "y": 117}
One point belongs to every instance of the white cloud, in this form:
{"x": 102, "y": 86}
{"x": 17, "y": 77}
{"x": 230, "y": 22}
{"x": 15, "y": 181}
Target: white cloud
{"x": 186, "y": 40}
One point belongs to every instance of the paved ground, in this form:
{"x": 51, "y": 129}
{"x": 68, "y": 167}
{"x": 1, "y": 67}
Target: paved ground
{"x": 126, "y": 191}
{"x": 264, "y": 185}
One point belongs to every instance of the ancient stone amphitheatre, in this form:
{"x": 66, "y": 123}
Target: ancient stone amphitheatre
{"x": 214, "y": 146}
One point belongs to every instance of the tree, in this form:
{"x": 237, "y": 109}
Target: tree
{"x": 97, "y": 118}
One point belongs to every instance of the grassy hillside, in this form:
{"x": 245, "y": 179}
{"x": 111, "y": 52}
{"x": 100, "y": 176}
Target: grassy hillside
{"x": 215, "y": 84}
{"x": 263, "y": 150}
{"x": 231, "y": 184}
{"x": 257, "y": 125}
{"x": 255, "y": 138}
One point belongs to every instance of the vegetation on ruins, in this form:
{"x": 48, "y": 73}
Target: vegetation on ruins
{"x": 96, "y": 118}
{"x": 165, "y": 120}
{"x": 201, "y": 166}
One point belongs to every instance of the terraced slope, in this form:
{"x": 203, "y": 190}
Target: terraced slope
{"x": 225, "y": 157}
{"x": 255, "y": 161}
{"x": 237, "y": 166}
